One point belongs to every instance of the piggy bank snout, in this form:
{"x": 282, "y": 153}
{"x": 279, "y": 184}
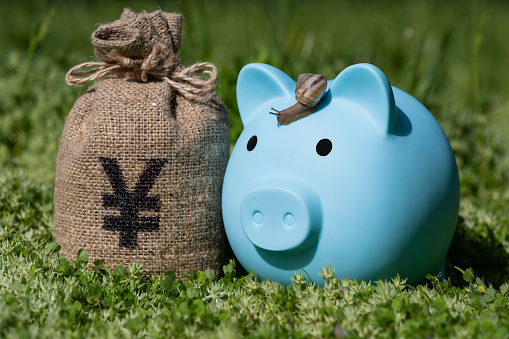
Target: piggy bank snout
{"x": 281, "y": 217}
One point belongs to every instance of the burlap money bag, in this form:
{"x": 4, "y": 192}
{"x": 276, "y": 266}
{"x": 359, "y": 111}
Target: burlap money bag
{"x": 143, "y": 152}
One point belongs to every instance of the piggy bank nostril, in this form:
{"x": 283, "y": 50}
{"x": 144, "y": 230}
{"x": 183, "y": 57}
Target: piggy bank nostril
{"x": 257, "y": 217}
{"x": 289, "y": 219}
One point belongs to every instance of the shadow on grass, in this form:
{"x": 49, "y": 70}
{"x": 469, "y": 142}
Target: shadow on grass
{"x": 483, "y": 253}
{"x": 469, "y": 249}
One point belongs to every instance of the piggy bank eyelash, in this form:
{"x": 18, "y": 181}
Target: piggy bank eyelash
{"x": 251, "y": 144}
{"x": 324, "y": 147}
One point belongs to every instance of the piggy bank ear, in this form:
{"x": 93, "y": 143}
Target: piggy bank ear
{"x": 258, "y": 83}
{"x": 367, "y": 86}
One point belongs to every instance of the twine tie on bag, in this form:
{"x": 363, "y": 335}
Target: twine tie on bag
{"x": 182, "y": 79}
{"x": 144, "y": 47}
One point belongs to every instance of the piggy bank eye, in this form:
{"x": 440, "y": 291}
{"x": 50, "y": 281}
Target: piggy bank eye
{"x": 251, "y": 144}
{"x": 323, "y": 147}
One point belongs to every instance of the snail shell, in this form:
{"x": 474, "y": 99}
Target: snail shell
{"x": 308, "y": 92}
{"x": 310, "y": 88}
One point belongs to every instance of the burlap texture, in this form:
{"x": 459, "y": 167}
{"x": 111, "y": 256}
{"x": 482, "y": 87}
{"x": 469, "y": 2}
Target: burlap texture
{"x": 140, "y": 165}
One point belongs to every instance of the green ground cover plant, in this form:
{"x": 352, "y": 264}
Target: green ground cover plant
{"x": 449, "y": 55}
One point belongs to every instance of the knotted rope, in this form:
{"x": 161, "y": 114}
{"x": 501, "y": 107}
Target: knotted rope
{"x": 159, "y": 64}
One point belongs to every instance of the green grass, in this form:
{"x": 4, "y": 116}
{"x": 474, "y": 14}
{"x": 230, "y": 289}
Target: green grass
{"x": 449, "y": 55}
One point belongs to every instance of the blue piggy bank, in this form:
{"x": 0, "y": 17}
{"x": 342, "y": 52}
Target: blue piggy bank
{"x": 367, "y": 183}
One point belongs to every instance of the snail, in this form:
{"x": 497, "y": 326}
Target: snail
{"x": 308, "y": 92}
